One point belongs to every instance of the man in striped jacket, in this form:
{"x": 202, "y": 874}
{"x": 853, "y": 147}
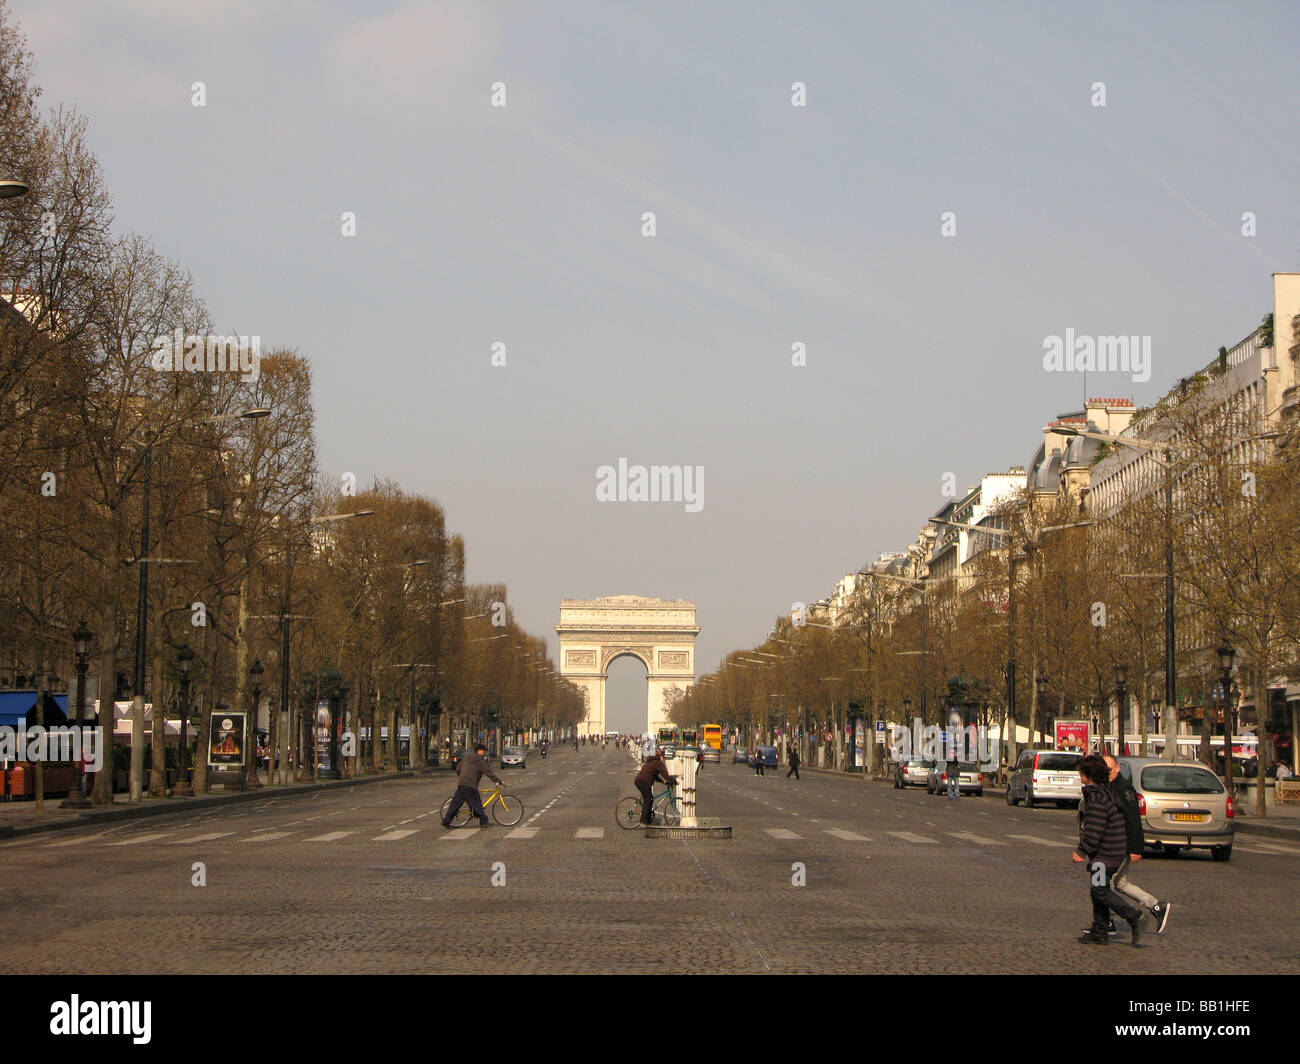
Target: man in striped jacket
{"x": 1103, "y": 846}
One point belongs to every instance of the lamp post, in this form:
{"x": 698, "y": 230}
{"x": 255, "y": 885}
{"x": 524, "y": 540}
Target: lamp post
{"x": 77, "y": 797}
{"x": 250, "y": 740}
{"x": 182, "y": 788}
{"x": 1121, "y": 707}
{"x": 1226, "y": 655}
{"x": 1040, "y": 685}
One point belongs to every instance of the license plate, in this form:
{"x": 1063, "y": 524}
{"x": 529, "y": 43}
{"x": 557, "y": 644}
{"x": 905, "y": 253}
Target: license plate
{"x": 1191, "y": 818}
{"x": 1061, "y": 779}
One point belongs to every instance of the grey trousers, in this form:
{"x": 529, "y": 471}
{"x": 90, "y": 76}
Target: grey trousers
{"x": 1121, "y": 883}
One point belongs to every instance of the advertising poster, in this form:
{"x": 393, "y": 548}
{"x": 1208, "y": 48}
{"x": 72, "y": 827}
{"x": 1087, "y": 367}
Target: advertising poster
{"x": 324, "y": 725}
{"x": 1073, "y": 735}
{"x": 226, "y": 740}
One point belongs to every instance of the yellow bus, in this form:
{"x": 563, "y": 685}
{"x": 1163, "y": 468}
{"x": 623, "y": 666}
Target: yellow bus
{"x": 711, "y": 735}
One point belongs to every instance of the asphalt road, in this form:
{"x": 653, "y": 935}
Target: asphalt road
{"x": 365, "y": 880}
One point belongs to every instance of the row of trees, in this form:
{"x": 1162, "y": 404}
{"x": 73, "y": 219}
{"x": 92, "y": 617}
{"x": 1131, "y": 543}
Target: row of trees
{"x": 183, "y": 507}
{"x": 1066, "y": 592}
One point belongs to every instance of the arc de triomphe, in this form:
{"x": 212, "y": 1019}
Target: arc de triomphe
{"x": 593, "y": 632}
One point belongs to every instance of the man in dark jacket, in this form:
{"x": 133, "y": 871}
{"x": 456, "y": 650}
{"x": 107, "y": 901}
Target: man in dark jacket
{"x": 652, "y": 769}
{"x": 471, "y": 770}
{"x": 794, "y": 763}
{"x": 1127, "y": 799}
{"x": 1103, "y": 845}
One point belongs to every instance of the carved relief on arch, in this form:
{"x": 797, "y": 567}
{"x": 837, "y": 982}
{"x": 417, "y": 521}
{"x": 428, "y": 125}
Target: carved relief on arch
{"x": 610, "y": 653}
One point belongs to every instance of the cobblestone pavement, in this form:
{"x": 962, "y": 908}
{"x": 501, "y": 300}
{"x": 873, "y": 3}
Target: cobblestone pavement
{"x": 366, "y": 880}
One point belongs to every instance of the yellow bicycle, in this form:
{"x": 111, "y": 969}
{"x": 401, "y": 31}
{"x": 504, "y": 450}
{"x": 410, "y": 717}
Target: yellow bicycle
{"x": 507, "y": 810}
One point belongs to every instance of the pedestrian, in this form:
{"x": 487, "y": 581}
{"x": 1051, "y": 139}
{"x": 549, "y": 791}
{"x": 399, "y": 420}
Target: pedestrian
{"x": 653, "y": 770}
{"x": 953, "y": 771}
{"x": 1127, "y": 799}
{"x": 758, "y": 762}
{"x": 471, "y": 769}
{"x": 1283, "y": 771}
{"x": 1103, "y": 842}
{"x": 794, "y": 763}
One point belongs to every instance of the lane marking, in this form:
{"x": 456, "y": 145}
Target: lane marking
{"x": 847, "y": 836}
{"x": 331, "y": 836}
{"x": 522, "y": 833}
{"x": 782, "y": 833}
{"x": 907, "y": 836}
{"x": 393, "y": 836}
{"x": 1040, "y": 842}
{"x": 141, "y": 838}
{"x": 74, "y": 842}
{"x": 970, "y": 837}
{"x": 590, "y": 833}
{"x": 201, "y": 838}
{"x": 267, "y": 837}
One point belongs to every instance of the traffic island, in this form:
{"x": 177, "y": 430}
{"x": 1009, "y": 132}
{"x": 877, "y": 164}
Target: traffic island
{"x": 700, "y": 827}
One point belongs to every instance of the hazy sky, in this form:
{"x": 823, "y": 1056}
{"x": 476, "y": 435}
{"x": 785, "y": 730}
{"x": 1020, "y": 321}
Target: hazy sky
{"x": 775, "y": 225}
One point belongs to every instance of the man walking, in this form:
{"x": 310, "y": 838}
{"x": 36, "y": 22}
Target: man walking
{"x": 1102, "y": 847}
{"x": 794, "y": 763}
{"x": 471, "y": 770}
{"x": 953, "y": 771}
{"x": 1126, "y": 798}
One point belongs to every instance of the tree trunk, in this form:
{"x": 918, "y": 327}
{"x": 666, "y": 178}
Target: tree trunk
{"x": 102, "y": 786}
{"x": 158, "y": 732}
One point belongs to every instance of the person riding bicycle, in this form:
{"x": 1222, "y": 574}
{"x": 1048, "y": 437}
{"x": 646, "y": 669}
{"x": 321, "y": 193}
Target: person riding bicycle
{"x": 652, "y": 769}
{"x": 471, "y": 770}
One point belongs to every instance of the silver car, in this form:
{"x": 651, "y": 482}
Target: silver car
{"x": 514, "y": 756}
{"x": 1045, "y": 776}
{"x": 970, "y": 780}
{"x": 1182, "y": 804}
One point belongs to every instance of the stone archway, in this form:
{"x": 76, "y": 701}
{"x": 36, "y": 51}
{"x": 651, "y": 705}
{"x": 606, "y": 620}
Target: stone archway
{"x": 659, "y": 632}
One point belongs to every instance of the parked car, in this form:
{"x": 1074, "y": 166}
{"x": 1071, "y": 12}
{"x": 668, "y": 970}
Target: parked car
{"x": 1045, "y": 776}
{"x": 768, "y": 754}
{"x": 971, "y": 779}
{"x": 708, "y": 753}
{"x": 1182, "y": 804}
{"x": 514, "y": 757}
{"x": 740, "y": 756}
{"x": 912, "y": 773}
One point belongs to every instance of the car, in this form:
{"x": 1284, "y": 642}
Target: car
{"x": 709, "y": 753}
{"x": 970, "y": 779}
{"x": 740, "y": 756}
{"x": 912, "y": 773}
{"x": 1183, "y": 805}
{"x": 1045, "y": 776}
{"x": 514, "y": 757}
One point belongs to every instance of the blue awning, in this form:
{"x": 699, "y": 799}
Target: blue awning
{"x": 19, "y": 707}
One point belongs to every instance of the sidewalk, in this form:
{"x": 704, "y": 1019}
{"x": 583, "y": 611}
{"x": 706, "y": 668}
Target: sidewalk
{"x": 1282, "y": 822}
{"x": 20, "y": 818}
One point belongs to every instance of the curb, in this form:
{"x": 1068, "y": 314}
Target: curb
{"x": 135, "y": 812}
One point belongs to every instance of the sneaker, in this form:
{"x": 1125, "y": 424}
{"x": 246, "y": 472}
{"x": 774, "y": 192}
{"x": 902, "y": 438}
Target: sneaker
{"x": 1136, "y": 925}
{"x": 445, "y": 824}
{"x": 486, "y": 824}
{"x": 1091, "y": 937}
{"x": 1161, "y": 916}
{"x": 1111, "y": 930}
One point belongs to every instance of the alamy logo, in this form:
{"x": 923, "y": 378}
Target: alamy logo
{"x": 179, "y": 353}
{"x": 58, "y": 743}
{"x": 102, "y": 1017}
{"x": 684, "y": 484}
{"x": 1098, "y": 354}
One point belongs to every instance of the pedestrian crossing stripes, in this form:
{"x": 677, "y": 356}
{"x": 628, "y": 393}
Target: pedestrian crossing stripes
{"x": 967, "y": 836}
{"x": 141, "y": 838}
{"x": 907, "y": 836}
{"x": 590, "y": 833}
{"x": 200, "y": 838}
{"x": 1041, "y": 842}
{"x": 330, "y": 836}
{"x": 782, "y": 833}
{"x": 267, "y": 836}
{"x": 847, "y": 836}
{"x": 522, "y": 833}
{"x": 393, "y": 836}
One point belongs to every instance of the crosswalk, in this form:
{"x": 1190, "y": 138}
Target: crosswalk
{"x": 302, "y": 832}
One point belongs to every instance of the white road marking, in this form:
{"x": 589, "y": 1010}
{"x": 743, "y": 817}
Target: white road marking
{"x": 907, "y": 836}
{"x": 590, "y": 833}
{"x": 331, "y": 836}
{"x": 393, "y": 836}
{"x": 1040, "y": 842}
{"x": 970, "y": 837}
{"x": 522, "y": 833}
{"x": 782, "y": 833}
{"x": 201, "y": 838}
{"x": 141, "y": 838}
{"x": 267, "y": 837}
{"x": 847, "y": 836}
{"x": 74, "y": 842}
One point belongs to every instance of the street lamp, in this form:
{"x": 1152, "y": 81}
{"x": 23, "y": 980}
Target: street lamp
{"x": 250, "y": 739}
{"x": 1121, "y": 707}
{"x": 77, "y": 798}
{"x": 1226, "y": 655}
{"x": 182, "y": 788}
{"x": 1040, "y": 683}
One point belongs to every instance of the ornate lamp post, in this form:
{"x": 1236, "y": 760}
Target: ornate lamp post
{"x": 250, "y": 740}
{"x": 1040, "y": 682}
{"x": 1226, "y": 655}
{"x": 1121, "y": 707}
{"x": 77, "y": 797}
{"x": 182, "y": 788}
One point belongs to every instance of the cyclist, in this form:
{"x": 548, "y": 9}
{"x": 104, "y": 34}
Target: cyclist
{"x": 470, "y": 771}
{"x": 652, "y": 769}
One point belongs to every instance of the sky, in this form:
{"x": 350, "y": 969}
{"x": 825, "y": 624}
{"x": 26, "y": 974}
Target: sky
{"x": 1096, "y": 161}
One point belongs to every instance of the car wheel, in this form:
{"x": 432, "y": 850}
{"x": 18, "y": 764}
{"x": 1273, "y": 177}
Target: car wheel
{"x": 1029, "y": 798}
{"x": 1173, "y": 851}
{"x": 979, "y": 794}
{"x": 1221, "y": 853}
{"x": 1010, "y": 800}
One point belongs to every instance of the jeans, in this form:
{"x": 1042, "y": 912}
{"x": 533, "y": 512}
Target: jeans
{"x": 463, "y": 795}
{"x": 646, "y": 798}
{"x": 954, "y": 787}
{"x": 1130, "y": 890}
{"x": 1105, "y": 897}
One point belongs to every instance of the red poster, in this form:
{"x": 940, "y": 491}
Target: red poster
{"x": 1073, "y": 735}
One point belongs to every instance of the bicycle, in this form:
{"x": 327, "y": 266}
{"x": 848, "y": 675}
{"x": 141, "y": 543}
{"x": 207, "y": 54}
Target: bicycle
{"x": 507, "y": 810}
{"x": 663, "y": 809}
